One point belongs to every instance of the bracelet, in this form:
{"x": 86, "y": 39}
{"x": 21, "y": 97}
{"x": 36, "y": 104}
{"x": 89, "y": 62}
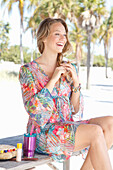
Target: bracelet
{"x": 76, "y": 89}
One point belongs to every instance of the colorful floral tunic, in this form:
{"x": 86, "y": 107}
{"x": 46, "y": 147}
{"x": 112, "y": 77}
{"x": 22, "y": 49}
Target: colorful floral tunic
{"x": 51, "y": 113}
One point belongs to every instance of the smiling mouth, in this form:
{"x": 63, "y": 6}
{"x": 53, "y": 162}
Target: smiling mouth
{"x": 60, "y": 44}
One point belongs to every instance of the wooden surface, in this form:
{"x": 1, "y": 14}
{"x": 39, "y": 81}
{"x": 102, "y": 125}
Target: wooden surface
{"x": 13, "y": 165}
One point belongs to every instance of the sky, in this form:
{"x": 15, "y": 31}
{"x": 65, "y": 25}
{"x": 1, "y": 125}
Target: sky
{"x": 14, "y": 34}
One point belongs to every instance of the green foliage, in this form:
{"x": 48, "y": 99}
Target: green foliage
{"x": 71, "y": 56}
{"x": 110, "y": 19}
{"x": 4, "y": 39}
{"x": 66, "y": 9}
{"x": 110, "y": 62}
{"x": 97, "y": 6}
{"x": 13, "y": 54}
{"x": 99, "y": 61}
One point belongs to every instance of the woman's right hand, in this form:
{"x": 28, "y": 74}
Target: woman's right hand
{"x": 55, "y": 77}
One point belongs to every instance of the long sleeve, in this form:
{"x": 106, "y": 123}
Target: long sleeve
{"x": 79, "y": 114}
{"x": 38, "y": 103}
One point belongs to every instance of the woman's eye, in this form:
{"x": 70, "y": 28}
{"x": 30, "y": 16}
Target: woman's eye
{"x": 57, "y": 34}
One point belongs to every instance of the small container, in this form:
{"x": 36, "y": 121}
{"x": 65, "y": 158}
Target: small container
{"x": 29, "y": 145}
{"x": 19, "y": 152}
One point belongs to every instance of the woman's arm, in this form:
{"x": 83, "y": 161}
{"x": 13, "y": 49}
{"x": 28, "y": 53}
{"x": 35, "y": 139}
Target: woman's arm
{"x": 38, "y": 103}
{"x": 75, "y": 99}
{"x": 76, "y": 95}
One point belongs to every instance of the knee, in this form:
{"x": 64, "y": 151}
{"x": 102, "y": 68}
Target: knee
{"x": 97, "y": 133}
{"x": 109, "y": 125}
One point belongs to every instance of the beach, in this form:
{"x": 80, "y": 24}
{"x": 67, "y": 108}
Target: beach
{"x": 98, "y": 101}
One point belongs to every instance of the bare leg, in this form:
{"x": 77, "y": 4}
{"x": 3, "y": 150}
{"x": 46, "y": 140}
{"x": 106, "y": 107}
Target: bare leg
{"x": 92, "y": 135}
{"x": 106, "y": 124}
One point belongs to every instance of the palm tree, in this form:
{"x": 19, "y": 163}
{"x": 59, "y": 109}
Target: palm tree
{"x": 21, "y": 6}
{"x": 49, "y": 8}
{"x": 90, "y": 19}
{"x": 106, "y": 32}
{"x": 95, "y": 37}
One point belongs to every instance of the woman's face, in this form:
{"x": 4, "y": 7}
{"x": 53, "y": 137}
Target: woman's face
{"x": 56, "y": 39}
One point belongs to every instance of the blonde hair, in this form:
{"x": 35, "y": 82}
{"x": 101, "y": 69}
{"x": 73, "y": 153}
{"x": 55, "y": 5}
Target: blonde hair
{"x": 43, "y": 32}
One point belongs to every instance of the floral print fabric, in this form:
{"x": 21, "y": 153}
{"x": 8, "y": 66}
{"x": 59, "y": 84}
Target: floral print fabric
{"x": 50, "y": 113}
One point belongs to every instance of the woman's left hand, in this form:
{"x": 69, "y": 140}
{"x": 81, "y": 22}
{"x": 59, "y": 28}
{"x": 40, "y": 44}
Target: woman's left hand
{"x": 69, "y": 67}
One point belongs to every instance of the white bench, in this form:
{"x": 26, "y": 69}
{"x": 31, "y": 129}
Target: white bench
{"x": 25, "y": 165}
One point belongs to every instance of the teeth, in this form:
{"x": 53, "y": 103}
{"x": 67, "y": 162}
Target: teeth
{"x": 60, "y": 43}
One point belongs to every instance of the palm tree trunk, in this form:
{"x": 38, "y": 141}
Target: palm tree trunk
{"x": 92, "y": 55}
{"x": 106, "y": 60}
{"x": 88, "y": 60}
{"x": 77, "y": 56}
{"x": 21, "y": 47}
{"x": 106, "y": 63}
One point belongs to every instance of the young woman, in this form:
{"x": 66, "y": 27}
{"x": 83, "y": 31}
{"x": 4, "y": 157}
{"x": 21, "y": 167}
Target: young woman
{"x": 51, "y": 95}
